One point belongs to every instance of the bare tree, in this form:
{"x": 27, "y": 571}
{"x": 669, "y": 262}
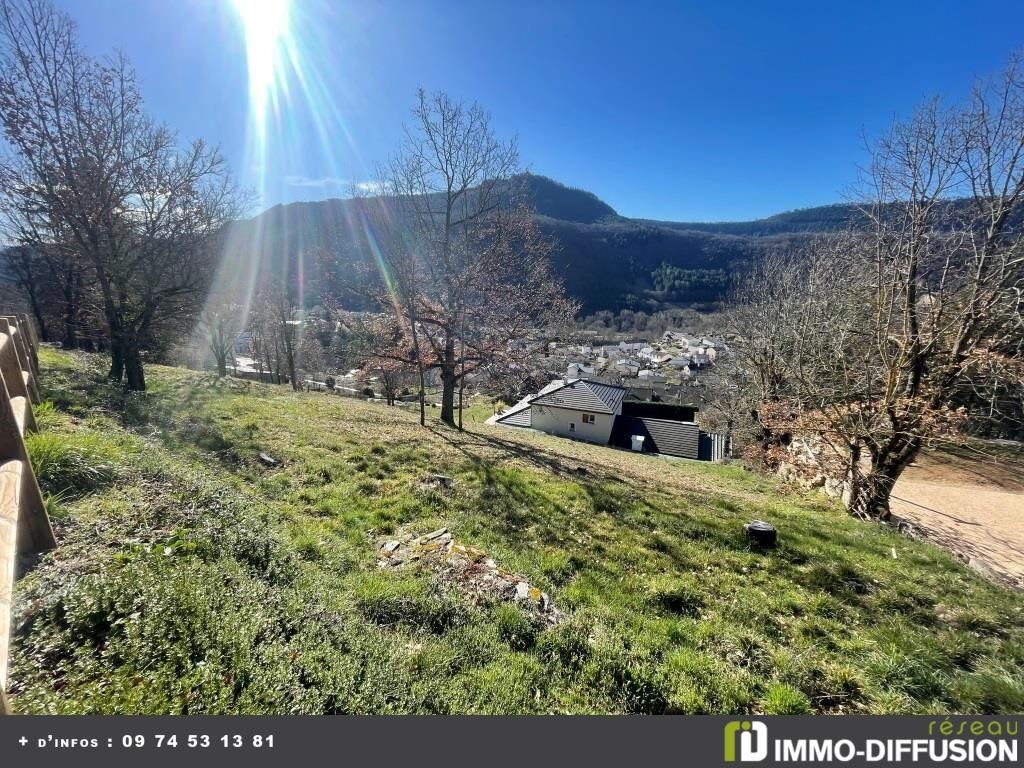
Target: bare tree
{"x": 464, "y": 270}
{"x": 392, "y": 376}
{"x": 275, "y": 333}
{"x": 91, "y": 172}
{"x": 311, "y": 357}
{"x": 874, "y": 337}
{"x": 727, "y": 405}
{"x": 258, "y": 328}
{"x": 219, "y": 325}
{"x": 33, "y": 277}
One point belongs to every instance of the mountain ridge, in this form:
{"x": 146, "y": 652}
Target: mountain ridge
{"x": 607, "y": 261}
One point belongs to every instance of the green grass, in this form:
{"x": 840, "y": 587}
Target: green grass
{"x": 190, "y": 578}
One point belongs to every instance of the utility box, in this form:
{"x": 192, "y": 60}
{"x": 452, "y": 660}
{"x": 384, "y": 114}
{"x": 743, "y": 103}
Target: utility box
{"x": 638, "y": 442}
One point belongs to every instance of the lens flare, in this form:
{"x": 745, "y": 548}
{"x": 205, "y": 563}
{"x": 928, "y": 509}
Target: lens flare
{"x": 296, "y": 89}
{"x": 266, "y": 25}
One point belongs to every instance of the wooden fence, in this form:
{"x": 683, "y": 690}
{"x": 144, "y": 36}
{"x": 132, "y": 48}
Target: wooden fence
{"x": 713, "y": 446}
{"x": 24, "y": 526}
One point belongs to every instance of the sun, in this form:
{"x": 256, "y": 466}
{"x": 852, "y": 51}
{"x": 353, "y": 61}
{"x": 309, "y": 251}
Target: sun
{"x": 266, "y": 25}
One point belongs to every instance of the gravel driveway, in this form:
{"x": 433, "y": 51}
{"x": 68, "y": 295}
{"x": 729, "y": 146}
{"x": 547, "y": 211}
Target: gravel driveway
{"x": 974, "y": 507}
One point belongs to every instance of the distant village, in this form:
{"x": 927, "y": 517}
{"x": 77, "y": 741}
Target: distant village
{"x": 667, "y": 364}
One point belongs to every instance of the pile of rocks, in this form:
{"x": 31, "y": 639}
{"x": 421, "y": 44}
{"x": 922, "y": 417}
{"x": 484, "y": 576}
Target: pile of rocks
{"x": 469, "y": 569}
{"x": 811, "y": 462}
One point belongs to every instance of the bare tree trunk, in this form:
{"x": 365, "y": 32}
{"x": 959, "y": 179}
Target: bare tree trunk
{"x": 419, "y": 364}
{"x": 290, "y": 359}
{"x": 135, "y": 378}
{"x": 870, "y": 493}
{"x": 72, "y": 293}
{"x": 37, "y": 312}
{"x": 277, "y": 361}
{"x": 462, "y": 375}
{"x": 70, "y": 340}
{"x": 116, "y": 362}
{"x": 448, "y": 395}
{"x": 869, "y": 496}
{"x": 117, "y": 354}
{"x": 448, "y": 380}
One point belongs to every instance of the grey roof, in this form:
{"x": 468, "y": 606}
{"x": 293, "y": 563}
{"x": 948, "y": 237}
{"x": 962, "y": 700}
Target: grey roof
{"x": 584, "y": 396}
{"x": 519, "y": 414}
{"x": 516, "y": 418}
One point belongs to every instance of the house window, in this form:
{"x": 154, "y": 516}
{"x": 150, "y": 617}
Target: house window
{"x": 572, "y": 426}
{"x": 588, "y": 418}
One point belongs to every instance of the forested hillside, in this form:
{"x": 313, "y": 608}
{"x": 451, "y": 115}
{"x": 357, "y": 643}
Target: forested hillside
{"x": 607, "y": 261}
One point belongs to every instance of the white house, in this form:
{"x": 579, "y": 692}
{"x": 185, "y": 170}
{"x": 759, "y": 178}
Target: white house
{"x": 579, "y": 370}
{"x": 584, "y": 410}
{"x": 598, "y": 413}
{"x": 651, "y": 377}
{"x": 627, "y": 367}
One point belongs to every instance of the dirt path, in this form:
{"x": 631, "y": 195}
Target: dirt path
{"x": 974, "y": 507}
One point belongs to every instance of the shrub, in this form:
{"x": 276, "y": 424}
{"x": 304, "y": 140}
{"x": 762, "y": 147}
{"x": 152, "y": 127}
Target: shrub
{"x": 72, "y": 464}
{"x": 388, "y": 601}
{"x": 515, "y": 627}
{"x": 782, "y": 699}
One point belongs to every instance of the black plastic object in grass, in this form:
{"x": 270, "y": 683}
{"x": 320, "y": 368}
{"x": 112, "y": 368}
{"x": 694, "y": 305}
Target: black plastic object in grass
{"x": 762, "y": 533}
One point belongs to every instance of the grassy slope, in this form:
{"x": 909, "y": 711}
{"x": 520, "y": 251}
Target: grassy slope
{"x": 192, "y": 579}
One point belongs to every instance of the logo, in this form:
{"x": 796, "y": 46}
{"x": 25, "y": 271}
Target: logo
{"x": 753, "y": 738}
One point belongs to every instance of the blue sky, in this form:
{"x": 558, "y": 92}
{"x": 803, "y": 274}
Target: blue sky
{"x": 678, "y": 110}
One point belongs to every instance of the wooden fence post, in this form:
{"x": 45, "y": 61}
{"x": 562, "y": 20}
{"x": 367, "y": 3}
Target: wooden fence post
{"x": 23, "y": 356}
{"x": 24, "y": 525}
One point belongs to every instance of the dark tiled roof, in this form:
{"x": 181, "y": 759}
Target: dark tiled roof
{"x": 585, "y": 396}
{"x": 675, "y": 438}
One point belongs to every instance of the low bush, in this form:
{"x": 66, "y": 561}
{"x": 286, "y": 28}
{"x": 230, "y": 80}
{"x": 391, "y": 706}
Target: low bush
{"x": 515, "y": 627}
{"x": 404, "y": 600}
{"x": 72, "y": 464}
{"x": 781, "y": 699}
